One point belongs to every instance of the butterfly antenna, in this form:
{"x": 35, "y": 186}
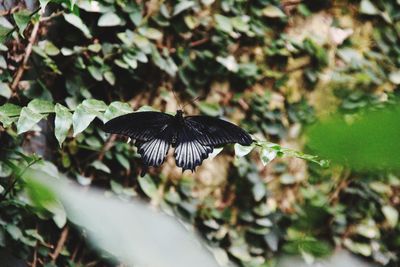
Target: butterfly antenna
{"x": 192, "y": 101}
{"x": 177, "y": 100}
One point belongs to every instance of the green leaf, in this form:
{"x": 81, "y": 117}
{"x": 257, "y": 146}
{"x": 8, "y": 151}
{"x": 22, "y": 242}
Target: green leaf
{"x": 223, "y": 23}
{"x": 267, "y": 155}
{"x": 116, "y": 109}
{"x": 85, "y": 113}
{"x": 22, "y": 19}
{"x": 148, "y": 186}
{"x": 62, "y": 123}
{"x": 241, "y": 151}
{"x": 273, "y": 12}
{"x": 9, "y": 113}
{"x": 77, "y": 22}
{"x": 49, "y": 48}
{"x": 182, "y": 6}
{"x": 359, "y": 248}
{"x": 391, "y": 215}
{"x": 215, "y": 152}
{"x": 81, "y": 119}
{"x": 109, "y": 20}
{"x": 5, "y": 90}
{"x": 98, "y": 165}
{"x": 210, "y": 109}
{"x": 151, "y": 33}
{"x": 367, "y": 7}
{"x": 27, "y": 120}
{"x": 41, "y": 106}
{"x": 394, "y": 77}
{"x": 229, "y": 62}
{"x": 5, "y": 28}
{"x": 123, "y": 161}
{"x": 43, "y": 4}
{"x": 14, "y": 231}
{"x": 110, "y": 77}
{"x": 112, "y": 231}
{"x": 95, "y": 72}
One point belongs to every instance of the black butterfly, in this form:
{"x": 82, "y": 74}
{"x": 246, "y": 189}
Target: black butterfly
{"x": 193, "y": 137}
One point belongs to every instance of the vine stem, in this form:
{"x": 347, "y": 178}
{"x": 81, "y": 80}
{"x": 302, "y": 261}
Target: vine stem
{"x": 28, "y": 52}
{"x": 60, "y": 244}
{"x": 8, "y": 190}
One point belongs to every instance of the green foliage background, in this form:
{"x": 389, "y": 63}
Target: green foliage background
{"x": 273, "y": 67}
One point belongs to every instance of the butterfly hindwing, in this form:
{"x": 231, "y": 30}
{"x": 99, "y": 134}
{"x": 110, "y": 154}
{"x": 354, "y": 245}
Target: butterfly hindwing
{"x": 142, "y": 126}
{"x": 189, "y": 152}
{"x": 154, "y": 150}
{"x": 216, "y": 132}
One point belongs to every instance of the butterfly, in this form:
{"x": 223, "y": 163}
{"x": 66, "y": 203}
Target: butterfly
{"x": 192, "y": 137}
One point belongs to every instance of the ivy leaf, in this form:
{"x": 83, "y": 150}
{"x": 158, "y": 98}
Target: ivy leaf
{"x": 367, "y": 7}
{"x": 41, "y": 106}
{"x": 96, "y": 73}
{"x": 109, "y": 19}
{"x": 148, "y": 186}
{"x": 267, "y": 155}
{"x": 223, "y": 23}
{"x": 98, "y": 165}
{"x": 211, "y": 109}
{"x": 241, "y": 151}
{"x": 9, "y": 113}
{"x": 27, "y": 120}
{"x": 273, "y": 12}
{"x": 123, "y": 161}
{"x": 215, "y": 152}
{"x": 82, "y": 118}
{"x": 110, "y": 77}
{"x": 43, "y": 4}
{"x": 85, "y": 113}
{"x": 116, "y": 109}
{"x": 151, "y": 33}
{"x": 77, "y": 22}
{"x": 229, "y": 62}
{"x": 391, "y": 215}
{"x": 22, "y": 19}
{"x": 5, "y": 90}
{"x": 182, "y": 6}
{"x": 62, "y": 123}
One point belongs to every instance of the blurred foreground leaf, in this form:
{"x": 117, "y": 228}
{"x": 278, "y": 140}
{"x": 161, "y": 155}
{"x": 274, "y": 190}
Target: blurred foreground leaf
{"x": 369, "y": 142}
{"x": 133, "y": 232}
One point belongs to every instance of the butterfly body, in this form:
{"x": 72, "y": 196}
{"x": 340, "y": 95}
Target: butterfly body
{"x": 192, "y": 137}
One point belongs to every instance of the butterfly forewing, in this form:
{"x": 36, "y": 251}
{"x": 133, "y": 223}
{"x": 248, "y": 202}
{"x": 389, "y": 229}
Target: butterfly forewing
{"x": 189, "y": 152}
{"x": 142, "y": 126}
{"x": 216, "y": 132}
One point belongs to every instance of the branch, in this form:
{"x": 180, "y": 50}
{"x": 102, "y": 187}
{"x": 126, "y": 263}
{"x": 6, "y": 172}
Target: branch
{"x": 60, "y": 244}
{"x": 109, "y": 144}
{"x": 28, "y": 51}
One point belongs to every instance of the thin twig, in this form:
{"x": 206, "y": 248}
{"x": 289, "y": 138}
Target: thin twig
{"x": 34, "y": 261}
{"x": 9, "y": 11}
{"x": 109, "y": 144}
{"x": 60, "y": 244}
{"x": 19, "y": 175}
{"x": 54, "y": 15}
{"x": 199, "y": 42}
{"x": 28, "y": 51}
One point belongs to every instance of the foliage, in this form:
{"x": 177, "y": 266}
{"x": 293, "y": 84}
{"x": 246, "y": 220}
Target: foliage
{"x": 273, "y": 67}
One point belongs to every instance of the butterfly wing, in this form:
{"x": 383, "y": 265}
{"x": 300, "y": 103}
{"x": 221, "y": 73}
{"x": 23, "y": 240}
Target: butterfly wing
{"x": 153, "y": 132}
{"x": 216, "y": 132}
{"x": 189, "y": 151}
{"x": 153, "y": 151}
{"x": 142, "y": 126}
